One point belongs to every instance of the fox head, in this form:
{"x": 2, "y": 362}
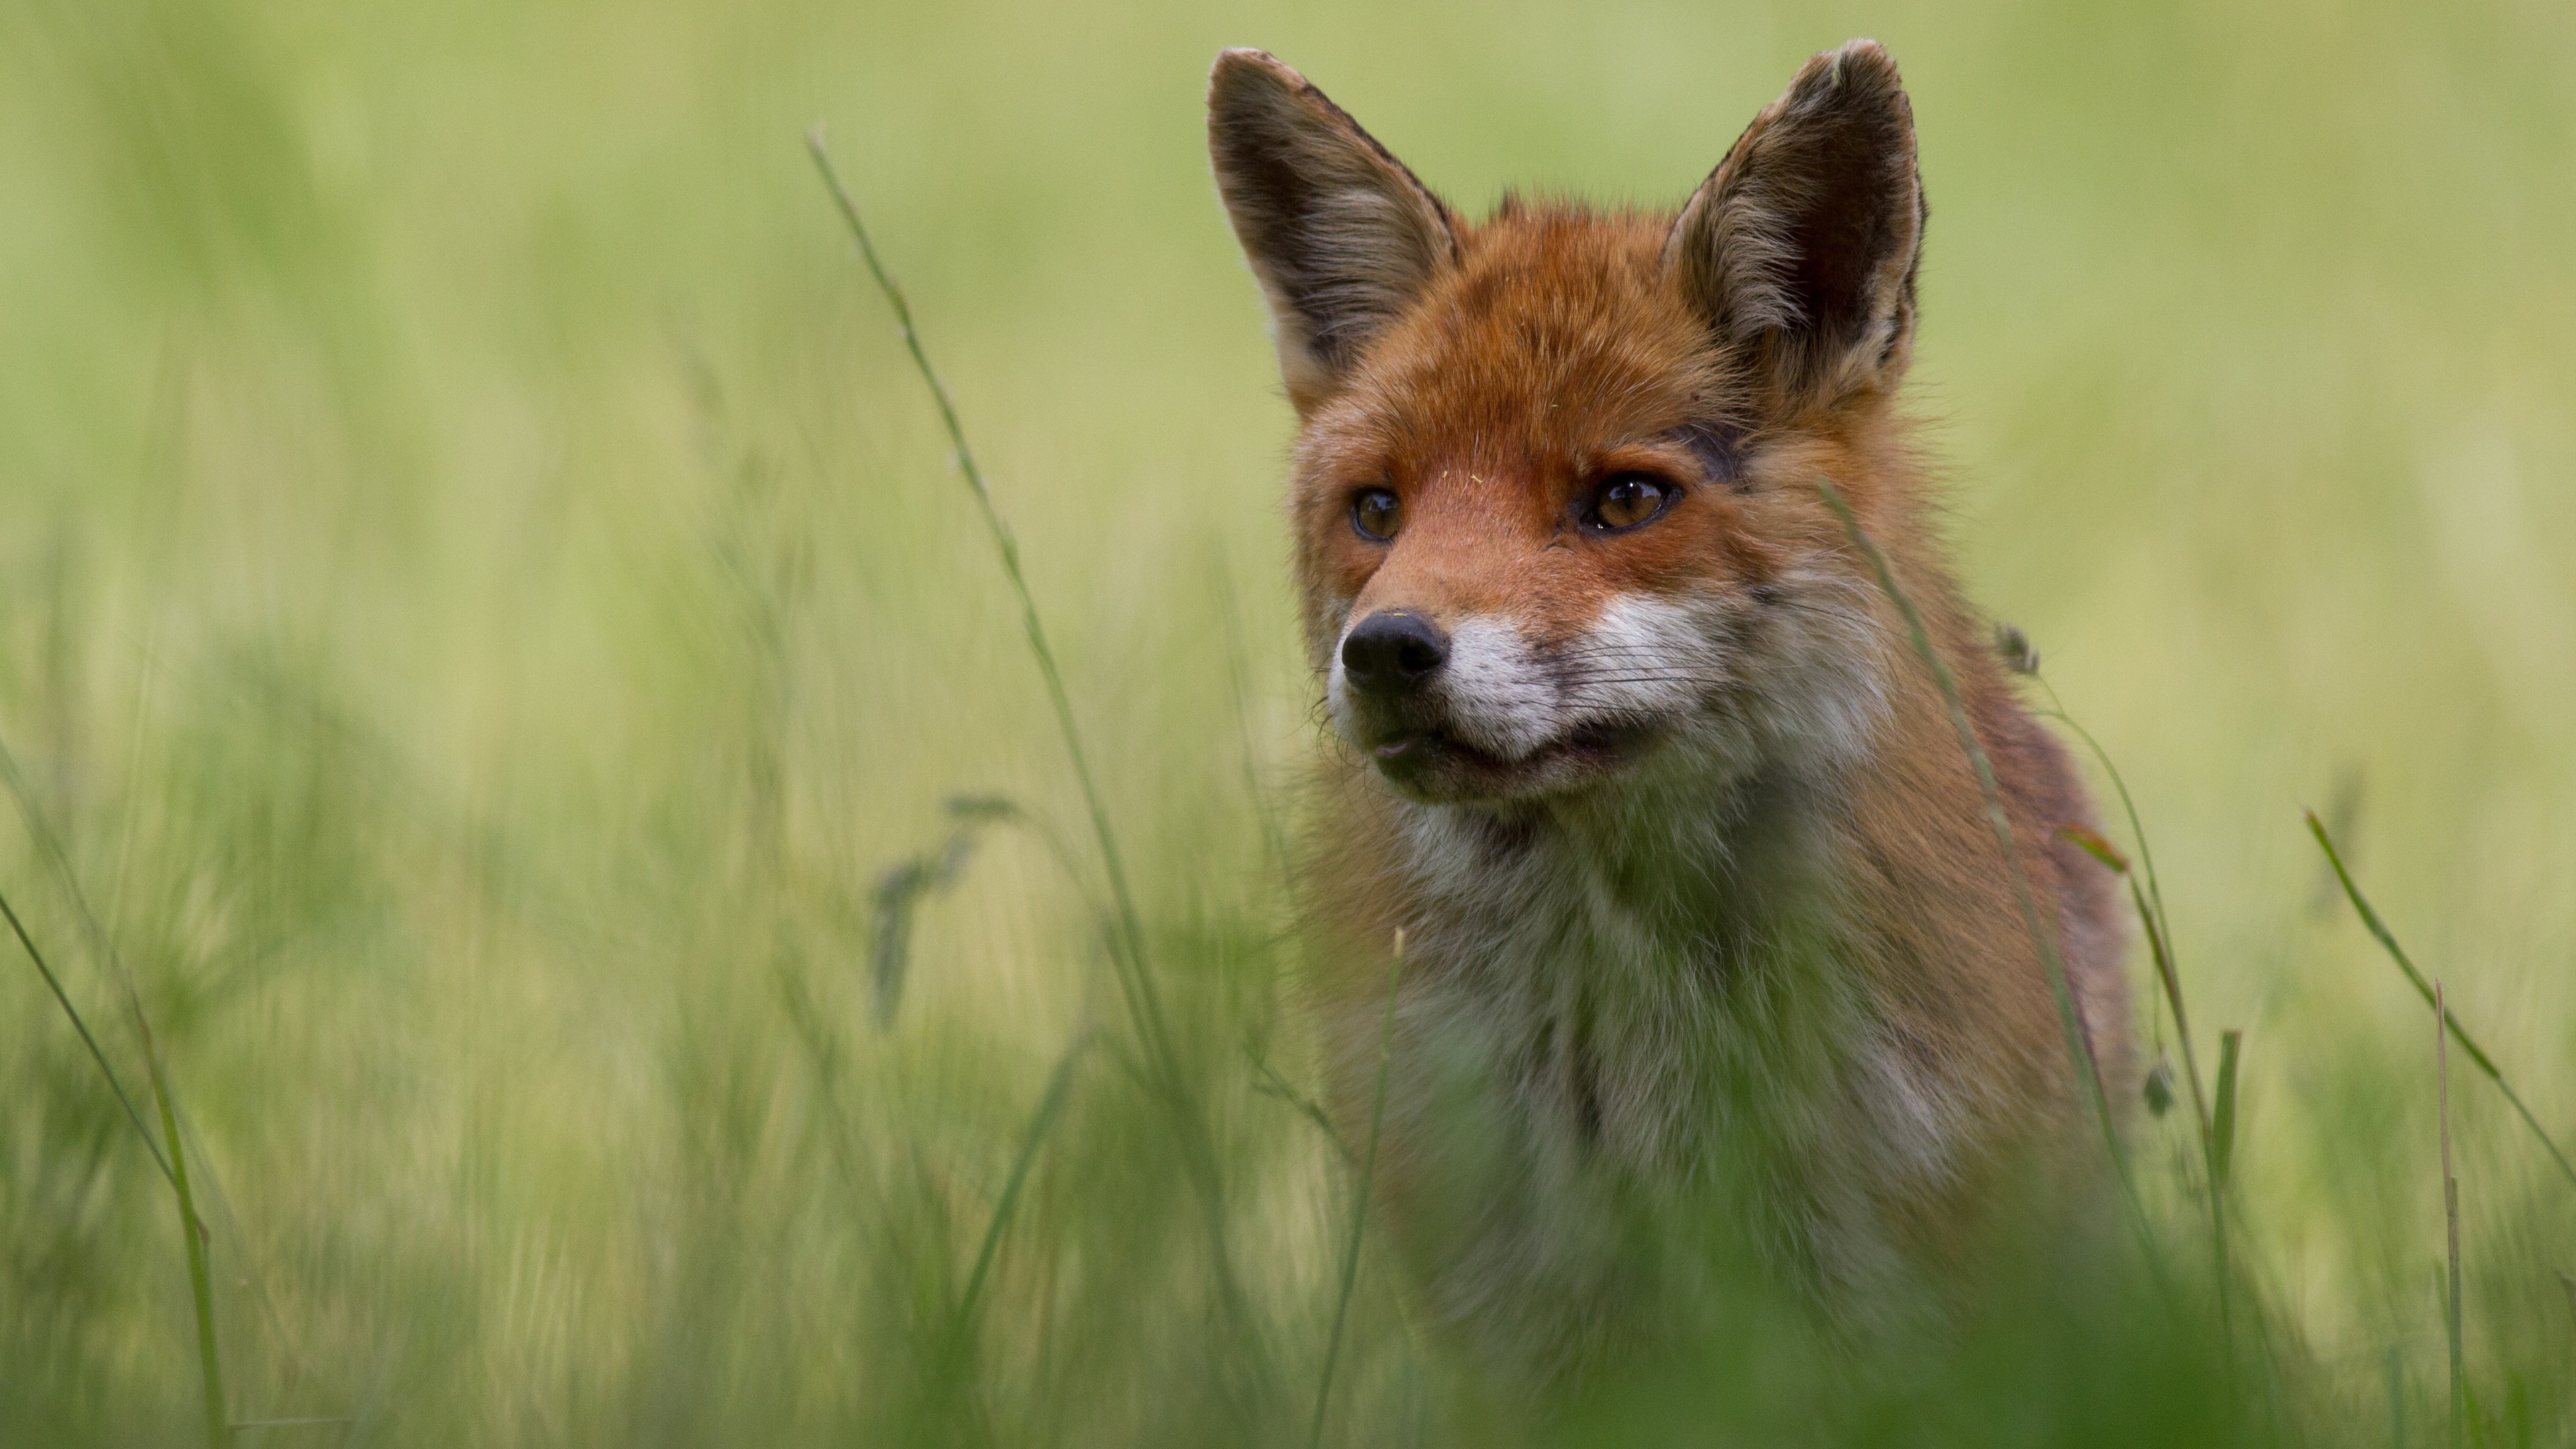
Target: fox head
{"x": 1553, "y": 497}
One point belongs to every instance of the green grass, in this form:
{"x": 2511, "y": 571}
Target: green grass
{"x": 484, "y": 607}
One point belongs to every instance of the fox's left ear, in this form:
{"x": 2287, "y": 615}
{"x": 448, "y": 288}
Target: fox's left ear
{"x": 1342, "y": 236}
{"x": 1801, "y": 246}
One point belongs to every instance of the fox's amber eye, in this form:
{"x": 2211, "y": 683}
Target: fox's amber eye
{"x": 1376, "y": 514}
{"x": 1627, "y": 500}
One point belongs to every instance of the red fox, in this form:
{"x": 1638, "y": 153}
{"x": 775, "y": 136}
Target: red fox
{"x": 1700, "y": 900}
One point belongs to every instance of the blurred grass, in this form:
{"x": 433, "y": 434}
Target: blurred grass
{"x": 482, "y": 602}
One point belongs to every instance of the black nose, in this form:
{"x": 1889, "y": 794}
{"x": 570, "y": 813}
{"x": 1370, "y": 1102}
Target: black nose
{"x": 1392, "y": 652}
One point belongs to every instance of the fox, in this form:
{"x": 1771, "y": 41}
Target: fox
{"x": 1703, "y": 915}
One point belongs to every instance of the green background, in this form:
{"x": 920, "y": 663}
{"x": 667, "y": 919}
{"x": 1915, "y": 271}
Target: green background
{"x": 483, "y": 599}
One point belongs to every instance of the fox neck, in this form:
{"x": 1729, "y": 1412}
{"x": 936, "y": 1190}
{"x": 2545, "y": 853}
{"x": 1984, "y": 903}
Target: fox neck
{"x": 1701, "y": 856}
{"x": 1660, "y": 982}
{"x": 1658, "y": 954}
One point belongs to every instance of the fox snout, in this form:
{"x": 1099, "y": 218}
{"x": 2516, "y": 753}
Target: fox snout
{"x": 1391, "y": 665}
{"x": 1477, "y": 708}
{"x": 1391, "y": 655}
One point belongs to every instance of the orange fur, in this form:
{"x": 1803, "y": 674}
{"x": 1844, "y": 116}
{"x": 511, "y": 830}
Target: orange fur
{"x": 1703, "y": 900}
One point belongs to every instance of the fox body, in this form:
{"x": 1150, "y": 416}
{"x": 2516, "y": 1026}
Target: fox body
{"x": 1704, "y": 917}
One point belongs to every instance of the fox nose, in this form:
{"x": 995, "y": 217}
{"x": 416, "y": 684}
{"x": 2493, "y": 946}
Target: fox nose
{"x": 1393, "y": 652}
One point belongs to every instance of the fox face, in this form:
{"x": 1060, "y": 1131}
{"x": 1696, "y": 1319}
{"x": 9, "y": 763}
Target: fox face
{"x": 1553, "y": 495}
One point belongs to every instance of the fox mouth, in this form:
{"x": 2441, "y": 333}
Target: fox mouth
{"x": 1435, "y": 764}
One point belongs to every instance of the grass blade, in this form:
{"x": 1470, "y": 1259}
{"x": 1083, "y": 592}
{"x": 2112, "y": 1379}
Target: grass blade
{"x": 2388, "y": 942}
{"x": 1059, "y": 1087}
{"x": 2217, "y": 1125}
{"x": 2451, "y": 1219}
{"x": 1269, "y": 1083}
{"x": 1360, "y": 1200}
{"x": 210, "y": 1359}
{"x": 2150, "y": 903}
{"x": 2090, "y": 841}
{"x": 954, "y": 1350}
{"x": 2396, "y": 1375}
{"x": 2223, "y": 1129}
{"x": 891, "y": 905}
{"x": 2079, "y": 1049}
{"x": 174, "y": 1167}
{"x": 977, "y": 811}
{"x": 115, "y": 1084}
{"x": 2128, "y": 805}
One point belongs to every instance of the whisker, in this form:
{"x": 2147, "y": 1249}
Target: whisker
{"x": 1624, "y": 651}
{"x": 1649, "y": 677}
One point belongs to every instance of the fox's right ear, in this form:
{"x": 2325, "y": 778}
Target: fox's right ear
{"x": 1342, "y": 236}
{"x": 1802, "y": 246}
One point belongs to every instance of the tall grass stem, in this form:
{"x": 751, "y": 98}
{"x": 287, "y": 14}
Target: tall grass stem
{"x": 1136, "y": 981}
{"x": 2149, "y": 900}
{"x": 2150, "y": 904}
{"x": 115, "y": 1084}
{"x": 2128, "y": 806}
{"x": 2213, "y": 1150}
{"x": 175, "y": 1166}
{"x": 2231, "y": 1045}
{"x": 1360, "y": 1198}
{"x": 2451, "y": 1221}
{"x": 1149, "y": 1009}
{"x": 1059, "y": 1088}
{"x": 210, "y": 1359}
{"x": 2388, "y": 942}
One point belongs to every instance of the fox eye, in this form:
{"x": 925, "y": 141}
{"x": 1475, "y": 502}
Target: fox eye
{"x": 1628, "y": 499}
{"x": 1376, "y": 513}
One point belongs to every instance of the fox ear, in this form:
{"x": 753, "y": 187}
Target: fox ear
{"x": 1801, "y": 246}
{"x": 1343, "y": 238}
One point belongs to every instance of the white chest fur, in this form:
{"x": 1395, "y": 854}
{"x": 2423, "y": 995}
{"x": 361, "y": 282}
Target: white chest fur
{"x": 1624, "y": 1029}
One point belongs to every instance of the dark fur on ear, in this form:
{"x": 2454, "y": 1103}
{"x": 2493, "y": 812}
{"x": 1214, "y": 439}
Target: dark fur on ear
{"x": 1802, "y": 245}
{"x": 1341, "y": 235}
